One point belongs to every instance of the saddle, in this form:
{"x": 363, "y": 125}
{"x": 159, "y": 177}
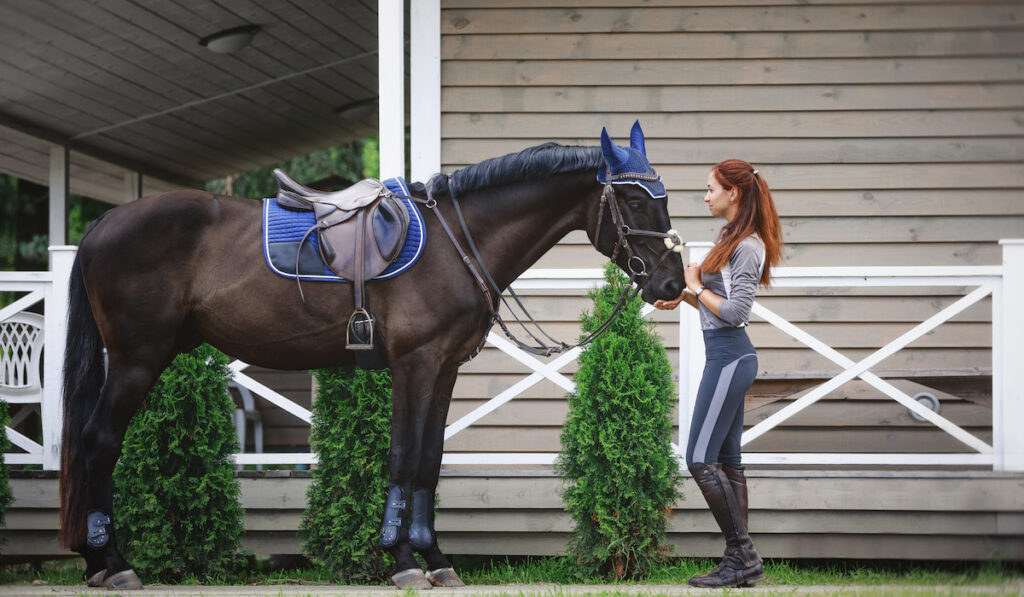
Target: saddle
{"x": 360, "y": 231}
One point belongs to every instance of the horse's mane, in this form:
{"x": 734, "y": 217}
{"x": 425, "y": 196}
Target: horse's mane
{"x": 533, "y": 162}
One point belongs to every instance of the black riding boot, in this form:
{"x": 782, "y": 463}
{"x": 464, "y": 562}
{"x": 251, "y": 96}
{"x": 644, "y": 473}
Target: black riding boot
{"x": 738, "y": 481}
{"x": 739, "y": 488}
{"x": 740, "y": 564}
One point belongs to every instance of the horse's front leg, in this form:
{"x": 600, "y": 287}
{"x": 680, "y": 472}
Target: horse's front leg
{"x": 422, "y": 536}
{"x": 413, "y": 381}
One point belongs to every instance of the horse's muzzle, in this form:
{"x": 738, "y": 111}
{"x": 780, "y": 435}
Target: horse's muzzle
{"x": 665, "y": 287}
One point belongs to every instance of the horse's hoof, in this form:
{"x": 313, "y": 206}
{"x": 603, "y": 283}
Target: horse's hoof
{"x": 124, "y": 580}
{"x": 96, "y": 580}
{"x": 444, "y": 577}
{"x": 413, "y": 578}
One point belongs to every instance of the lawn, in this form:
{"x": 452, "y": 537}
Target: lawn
{"x": 784, "y": 574}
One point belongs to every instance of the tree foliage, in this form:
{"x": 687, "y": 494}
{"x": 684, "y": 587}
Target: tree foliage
{"x": 176, "y": 499}
{"x": 351, "y": 433}
{"x": 334, "y": 167}
{"x": 24, "y": 223}
{"x": 622, "y": 475}
{"x": 6, "y": 497}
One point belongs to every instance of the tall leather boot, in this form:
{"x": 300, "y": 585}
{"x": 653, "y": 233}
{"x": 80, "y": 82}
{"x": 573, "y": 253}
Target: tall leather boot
{"x": 740, "y": 565}
{"x": 738, "y": 481}
{"x": 739, "y": 488}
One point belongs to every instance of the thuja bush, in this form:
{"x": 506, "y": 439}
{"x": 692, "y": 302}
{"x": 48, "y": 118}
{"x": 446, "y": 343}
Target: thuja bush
{"x": 6, "y": 497}
{"x": 176, "y": 504}
{"x": 621, "y": 474}
{"x": 351, "y": 433}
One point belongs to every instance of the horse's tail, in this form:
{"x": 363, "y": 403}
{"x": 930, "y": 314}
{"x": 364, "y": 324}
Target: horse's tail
{"x": 83, "y": 378}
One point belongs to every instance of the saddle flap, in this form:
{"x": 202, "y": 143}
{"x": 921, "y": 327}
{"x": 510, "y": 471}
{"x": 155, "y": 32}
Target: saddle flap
{"x": 382, "y": 234}
{"x": 390, "y": 226}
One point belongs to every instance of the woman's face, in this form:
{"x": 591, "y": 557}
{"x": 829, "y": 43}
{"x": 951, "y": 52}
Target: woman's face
{"x": 722, "y": 203}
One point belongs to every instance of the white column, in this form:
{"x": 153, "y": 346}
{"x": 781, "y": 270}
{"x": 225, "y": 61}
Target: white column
{"x": 425, "y": 87}
{"x": 55, "y": 334}
{"x": 59, "y": 171}
{"x": 132, "y": 186}
{"x": 391, "y": 86}
{"x": 1007, "y": 360}
{"x": 691, "y": 351}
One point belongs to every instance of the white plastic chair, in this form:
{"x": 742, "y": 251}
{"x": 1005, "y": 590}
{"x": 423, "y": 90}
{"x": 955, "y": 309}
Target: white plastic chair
{"x": 245, "y": 414}
{"x": 21, "y": 350}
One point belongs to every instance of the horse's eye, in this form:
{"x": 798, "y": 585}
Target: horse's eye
{"x": 636, "y": 206}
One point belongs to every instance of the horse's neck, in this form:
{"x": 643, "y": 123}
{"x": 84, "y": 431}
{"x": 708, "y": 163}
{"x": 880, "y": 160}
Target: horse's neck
{"x": 513, "y": 226}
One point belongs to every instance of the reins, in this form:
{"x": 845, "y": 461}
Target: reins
{"x": 631, "y": 290}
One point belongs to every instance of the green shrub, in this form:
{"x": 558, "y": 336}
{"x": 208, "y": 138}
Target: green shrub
{"x": 6, "y": 497}
{"x": 351, "y": 433}
{"x": 616, "y": 458}
{"x": 176, "y": 504}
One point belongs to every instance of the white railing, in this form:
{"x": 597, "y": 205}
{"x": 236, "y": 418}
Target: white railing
{"x": 1004, "y": 283}
{"x": 50, "y": 288}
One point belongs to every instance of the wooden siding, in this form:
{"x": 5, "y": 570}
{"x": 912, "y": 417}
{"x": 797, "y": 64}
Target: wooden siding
{"x": 935, "y": 516}
{"x": 891, "y": 133}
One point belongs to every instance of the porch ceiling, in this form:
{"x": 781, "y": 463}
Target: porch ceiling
{"x": 126, "y": 85}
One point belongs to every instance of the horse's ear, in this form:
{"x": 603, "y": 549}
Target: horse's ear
{"x": 636, "y": 139}
{"x": 613, "y": 154}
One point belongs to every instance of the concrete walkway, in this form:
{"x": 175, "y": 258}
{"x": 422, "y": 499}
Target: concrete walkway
{"x": 538, "y": 590}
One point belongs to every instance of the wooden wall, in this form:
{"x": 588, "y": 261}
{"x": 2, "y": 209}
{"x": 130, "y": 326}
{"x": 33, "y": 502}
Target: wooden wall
{"x": 877, "y": 515}
{"x": 891, "y": 134}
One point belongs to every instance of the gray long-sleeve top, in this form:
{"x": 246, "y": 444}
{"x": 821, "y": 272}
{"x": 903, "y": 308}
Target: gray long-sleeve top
{"x": 737, "y": 283}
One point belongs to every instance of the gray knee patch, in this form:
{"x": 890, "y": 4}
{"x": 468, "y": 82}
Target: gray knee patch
{"x": 97, "y": 536}
{"x": 394, "y": 513}
{"x": 421, "y": 528}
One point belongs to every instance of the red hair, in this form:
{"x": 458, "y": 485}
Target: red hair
{"x": 756, "y": 215}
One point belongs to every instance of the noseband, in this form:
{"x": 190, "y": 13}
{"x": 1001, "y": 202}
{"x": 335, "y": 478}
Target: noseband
{"x": 672, "y": 241}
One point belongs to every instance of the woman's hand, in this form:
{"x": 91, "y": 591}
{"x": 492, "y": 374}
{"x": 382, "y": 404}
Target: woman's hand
{"x": 669, "y": 305}
{"x": 692, "y": 276}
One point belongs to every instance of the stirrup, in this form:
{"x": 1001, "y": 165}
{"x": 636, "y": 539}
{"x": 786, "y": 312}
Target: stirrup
{"x": 360, "y": 329}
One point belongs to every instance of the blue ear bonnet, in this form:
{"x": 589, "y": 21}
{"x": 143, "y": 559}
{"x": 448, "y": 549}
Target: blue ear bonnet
{"x": 630, "y": 159}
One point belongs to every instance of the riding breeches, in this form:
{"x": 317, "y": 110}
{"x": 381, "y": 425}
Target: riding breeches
{"x": 717, "y": 422}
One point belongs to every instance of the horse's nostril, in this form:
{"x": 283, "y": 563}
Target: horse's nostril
{"x": 672, "y": 287}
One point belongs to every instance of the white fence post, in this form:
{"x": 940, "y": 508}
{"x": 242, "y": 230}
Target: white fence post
{"x": 691, "y": 352}
{"x": 55, "y": 333}
{"x": 391, "y": 87}
{"x": 1008, "y": 361}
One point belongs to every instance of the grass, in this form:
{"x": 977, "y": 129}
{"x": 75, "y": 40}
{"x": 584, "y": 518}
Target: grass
{"x": 559, "y": 570}
{"x": 784, "y": 574}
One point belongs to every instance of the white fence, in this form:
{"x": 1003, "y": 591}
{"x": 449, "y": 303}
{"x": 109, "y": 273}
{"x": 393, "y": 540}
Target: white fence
{"x": 1004, "y": 283}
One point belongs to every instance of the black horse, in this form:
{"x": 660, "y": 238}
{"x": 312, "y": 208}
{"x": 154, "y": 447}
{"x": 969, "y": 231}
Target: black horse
{"x": 161, "y": 275}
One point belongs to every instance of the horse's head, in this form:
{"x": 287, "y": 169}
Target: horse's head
{"x": 633, "y": 226}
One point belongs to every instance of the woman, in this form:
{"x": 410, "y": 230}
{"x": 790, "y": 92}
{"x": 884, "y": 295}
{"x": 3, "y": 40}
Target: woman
{"x": 722, "y": 289}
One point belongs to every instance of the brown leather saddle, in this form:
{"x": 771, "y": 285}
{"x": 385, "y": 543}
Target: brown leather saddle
{"x": 360, "y": 231}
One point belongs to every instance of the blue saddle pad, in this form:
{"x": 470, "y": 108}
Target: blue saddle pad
{"x": 283, "y": 230}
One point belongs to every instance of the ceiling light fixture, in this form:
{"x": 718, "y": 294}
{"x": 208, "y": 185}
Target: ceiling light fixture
{"x": 358, "y": 109}
{"x": 230, "y": 40}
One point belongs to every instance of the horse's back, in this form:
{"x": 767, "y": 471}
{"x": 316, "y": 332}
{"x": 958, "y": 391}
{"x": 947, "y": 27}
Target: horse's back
{"x": 158, "y": 229}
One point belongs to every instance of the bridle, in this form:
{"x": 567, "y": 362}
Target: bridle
{"x": 673, "y": 243}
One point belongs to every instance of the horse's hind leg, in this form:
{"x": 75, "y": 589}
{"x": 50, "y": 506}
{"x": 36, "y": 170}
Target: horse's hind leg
{"x": 422, "y": 536}
{"x": 126, "y": 385}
